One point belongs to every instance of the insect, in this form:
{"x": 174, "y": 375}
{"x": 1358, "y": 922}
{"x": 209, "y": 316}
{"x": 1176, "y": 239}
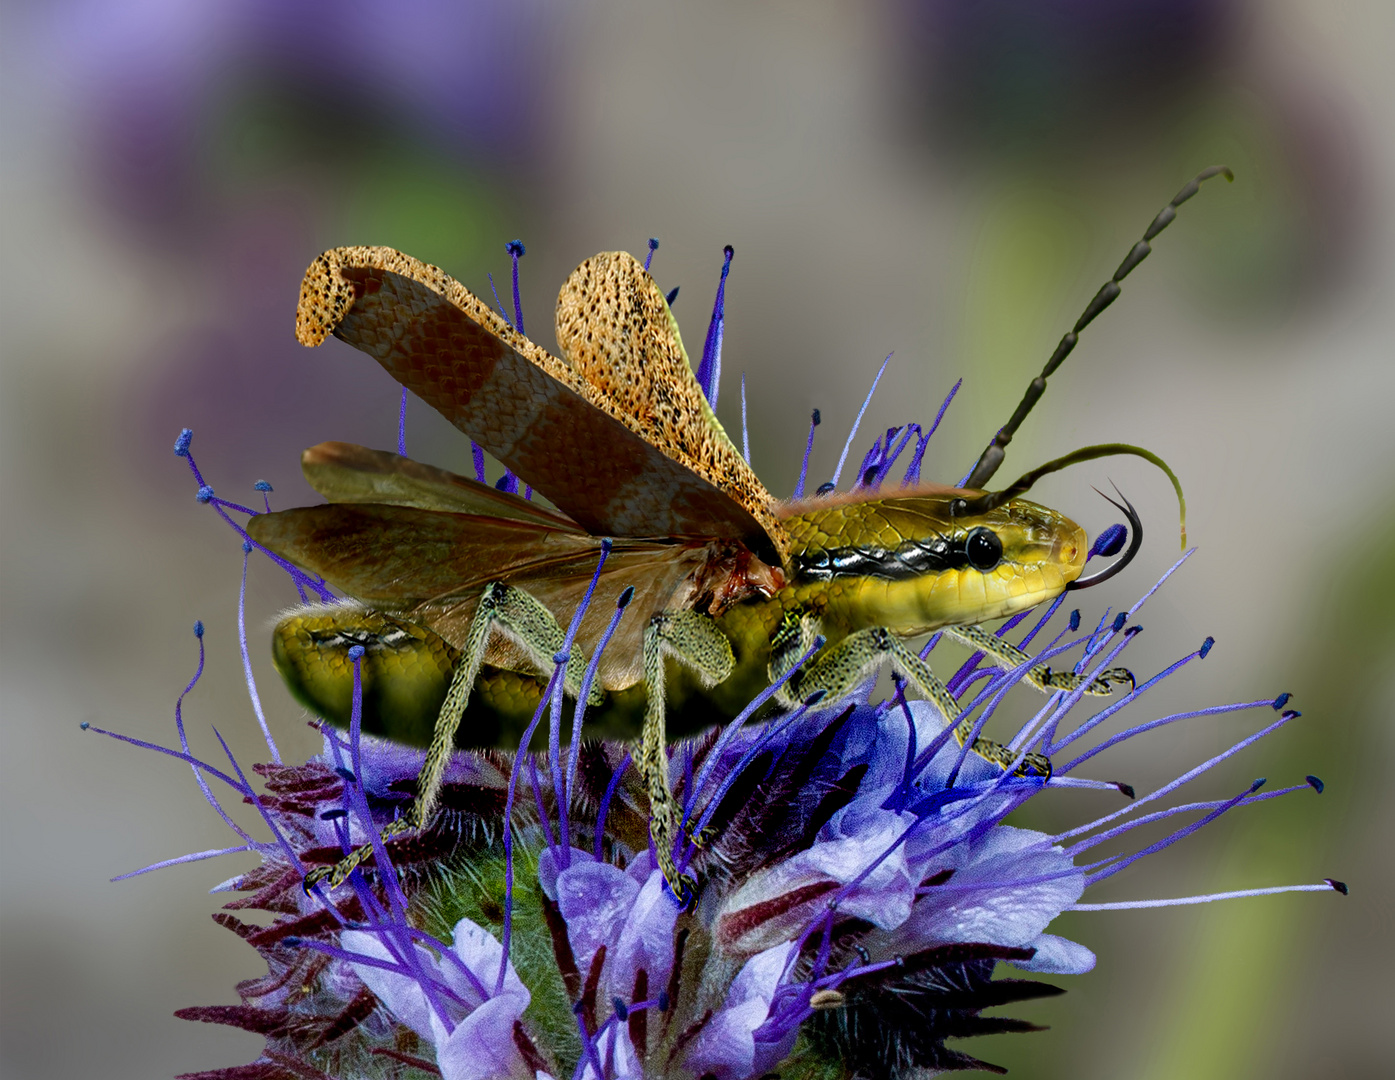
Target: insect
{"x": 459, "y": 587}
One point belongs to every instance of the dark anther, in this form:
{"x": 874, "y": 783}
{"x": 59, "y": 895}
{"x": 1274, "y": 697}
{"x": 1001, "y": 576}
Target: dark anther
{"x": 1126, "y": 789}
{"x": 671, "y": 295}
{"x": 515, "y": 247}
{"x": 1109, "y": 542}
{"x": 345, "y": 774}
{"x": 663, "y": 1001}
{"x": 1339, "y": 886}
{"x": 620, "y": 1010}
{"x": 334, "y": 815}
{"x": 1075, "y": 620}
{"x": 625, "y": 597}
{"x": 825, "y": 488}
{"x": 1205, "y": 647}
{"x": 983, "y": 548}
{"x": 1119, "y": 620}
{"x": 1281, "y": 700}
{"x": 1314, "y": 783}
{"x": 1135, "y": 542}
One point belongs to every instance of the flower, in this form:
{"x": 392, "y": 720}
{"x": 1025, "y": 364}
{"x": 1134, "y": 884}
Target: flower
{"x": 855, "y": 883}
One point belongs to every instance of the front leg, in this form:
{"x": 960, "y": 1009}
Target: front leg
{"x": 844, "y": 666}
{"x": 502, "y": 608}
{"x": 1041, "y": 677}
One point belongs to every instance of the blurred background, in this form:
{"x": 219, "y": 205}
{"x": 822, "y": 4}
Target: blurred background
{"x": 949, "y": 181}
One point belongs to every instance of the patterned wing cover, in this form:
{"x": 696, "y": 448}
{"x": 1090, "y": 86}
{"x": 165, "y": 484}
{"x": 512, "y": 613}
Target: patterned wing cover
{"x": 617, "y": 435}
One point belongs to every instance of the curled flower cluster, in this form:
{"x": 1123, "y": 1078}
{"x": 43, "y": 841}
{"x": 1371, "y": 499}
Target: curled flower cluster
{"x": 856, "y": 887}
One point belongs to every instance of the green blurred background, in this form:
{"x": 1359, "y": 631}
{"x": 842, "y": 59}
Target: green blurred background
{"x": 949, "y": 181}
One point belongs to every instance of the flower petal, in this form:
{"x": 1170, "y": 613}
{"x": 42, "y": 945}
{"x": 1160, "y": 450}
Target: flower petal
{"x": 1058, "y": 956}
{"x": 481, "y": 1047}
{"x": 399, "y": 993}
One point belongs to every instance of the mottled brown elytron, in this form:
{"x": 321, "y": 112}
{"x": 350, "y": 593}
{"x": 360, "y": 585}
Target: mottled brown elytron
{"x": 461, "y": 591}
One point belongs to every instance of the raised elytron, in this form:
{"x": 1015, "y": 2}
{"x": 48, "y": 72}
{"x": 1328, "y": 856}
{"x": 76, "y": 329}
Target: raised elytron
{"x": 459, "y": 587}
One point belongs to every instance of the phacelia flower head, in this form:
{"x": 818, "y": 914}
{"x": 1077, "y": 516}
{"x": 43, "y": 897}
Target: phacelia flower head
{"x": 855, "y": 884}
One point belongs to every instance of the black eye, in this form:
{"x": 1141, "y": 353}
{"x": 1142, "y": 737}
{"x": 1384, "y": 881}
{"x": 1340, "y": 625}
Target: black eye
{"x": 983, "y": 548}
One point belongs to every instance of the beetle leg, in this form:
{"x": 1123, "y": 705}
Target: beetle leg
{"x": 1042, "y": 677}
{"x": 792, "y": 639}
{"x": 842, "y": 667}
{"x": 526, "y": 620}
{"x": 693, "y": 639}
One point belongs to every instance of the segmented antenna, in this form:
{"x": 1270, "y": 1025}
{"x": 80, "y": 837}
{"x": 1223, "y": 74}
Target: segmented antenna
{"x": 993, "y": 456}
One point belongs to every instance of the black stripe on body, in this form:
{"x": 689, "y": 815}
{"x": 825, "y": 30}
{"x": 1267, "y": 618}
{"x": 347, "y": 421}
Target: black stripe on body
{"x": 908, "y": 560}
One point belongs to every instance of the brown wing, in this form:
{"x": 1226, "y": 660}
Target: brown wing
{"x": 399, "y": 556}
{"x": 430, "y": 565}
{"x": 347, "y": 473}
{"x": 652, "y": 463}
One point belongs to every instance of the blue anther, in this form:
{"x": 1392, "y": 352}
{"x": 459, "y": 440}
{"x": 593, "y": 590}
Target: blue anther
{"x": 246, "y": 547}
{"x": 356, "y": 652}
{"x": 1206, "y": 647}
{"x": 335, "y": 814}
{"x": 84, "y": 725}
{"x": 663, "y": 1001}
{"x": 671, "y": 295}
{"x": 345, "y": 774}
{"x": 1074, "y": 620}
{"x": 262, "y": 486}
{"x": 817, "y": 418}
{"x": 621, "y": 1011}
{"x": 204, "y": 494}
{"x": 826, "y": 487}
{"x": 1281, "y": 700}
{"x": 625, "y": 597}
{"x": 181, "y": 444}
{"x": 1119, "y": 620}
{"x": 1314, "y": 783}
{"x": 1110, "y": 541}
{"x": 198, "y": 628}
{"x": 515, "y": 247}
{"x": 1259, "y": 783}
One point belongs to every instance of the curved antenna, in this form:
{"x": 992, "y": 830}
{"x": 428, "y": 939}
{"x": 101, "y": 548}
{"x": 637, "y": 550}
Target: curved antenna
{"x": 991, "y": 500}
{"x": 1135, "y": 542}
{"x": 993, "y": 456}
